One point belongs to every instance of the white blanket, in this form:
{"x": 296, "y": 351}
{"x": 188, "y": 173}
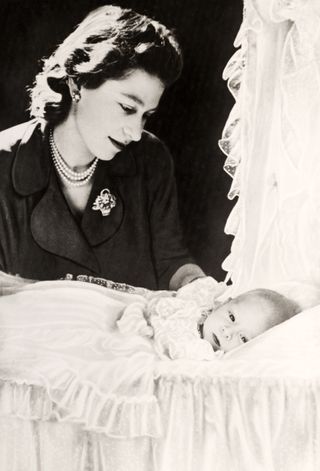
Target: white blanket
{"x": 67, "y": 372}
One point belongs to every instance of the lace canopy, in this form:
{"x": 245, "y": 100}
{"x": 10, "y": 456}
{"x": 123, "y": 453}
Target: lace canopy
{"x": 271, "y": 140}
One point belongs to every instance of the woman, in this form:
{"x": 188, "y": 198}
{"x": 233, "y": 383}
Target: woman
{"x": 84, "y": 189}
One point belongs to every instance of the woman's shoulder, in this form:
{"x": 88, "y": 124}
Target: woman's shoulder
{"x": 10, "y": 138}
{"x": 152, "y": 153}
{"x": 152, "y": 143}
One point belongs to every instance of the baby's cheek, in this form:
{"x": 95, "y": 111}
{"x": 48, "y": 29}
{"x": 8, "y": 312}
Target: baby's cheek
{"x": 230, "y": 345}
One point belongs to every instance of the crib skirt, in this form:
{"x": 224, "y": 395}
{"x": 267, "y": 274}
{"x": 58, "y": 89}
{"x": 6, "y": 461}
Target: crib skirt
{"x": 29, "y": 445}
{"x": 215, "y": 424}
{"x": 75, "y": 397}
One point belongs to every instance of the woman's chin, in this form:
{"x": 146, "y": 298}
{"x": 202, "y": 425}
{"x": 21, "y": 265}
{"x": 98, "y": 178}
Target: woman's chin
{"x": 105, "y": 157}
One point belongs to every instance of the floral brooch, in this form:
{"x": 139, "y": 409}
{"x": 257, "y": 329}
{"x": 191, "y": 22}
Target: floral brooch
{"x": 104, "y": 202}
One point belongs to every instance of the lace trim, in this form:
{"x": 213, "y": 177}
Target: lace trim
{"x": 240, "y": 73}
{"x": 230, "y": 142}
{"x": 123, "y": 287}
{"x": 113, "y": 415}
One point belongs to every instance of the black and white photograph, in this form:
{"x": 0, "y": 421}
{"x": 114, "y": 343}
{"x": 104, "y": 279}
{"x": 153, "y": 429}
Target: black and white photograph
{"x": 159, "y": 230}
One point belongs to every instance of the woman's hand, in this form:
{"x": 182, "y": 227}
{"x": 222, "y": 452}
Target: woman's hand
{"x": 184, "y": 275}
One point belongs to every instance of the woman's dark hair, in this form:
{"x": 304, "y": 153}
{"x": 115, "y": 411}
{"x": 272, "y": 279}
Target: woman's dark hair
{"x": 107, "y": 44}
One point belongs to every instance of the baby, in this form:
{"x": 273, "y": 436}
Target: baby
{"x": 239, "y": 320}
{"x": 175, "y": 320}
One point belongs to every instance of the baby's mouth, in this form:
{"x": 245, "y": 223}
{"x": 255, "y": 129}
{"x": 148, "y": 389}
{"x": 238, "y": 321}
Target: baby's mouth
{"x": 215, "y": 339}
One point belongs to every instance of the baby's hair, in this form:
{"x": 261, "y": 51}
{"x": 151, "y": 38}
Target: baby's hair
{"x": 283, "y": 308}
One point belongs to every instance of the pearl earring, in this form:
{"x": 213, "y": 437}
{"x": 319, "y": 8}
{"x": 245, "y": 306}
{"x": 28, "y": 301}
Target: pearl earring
{"x": 76, "y": 96}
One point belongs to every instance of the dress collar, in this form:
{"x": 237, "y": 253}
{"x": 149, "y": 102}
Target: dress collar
{"x": 52, "y": 224}
{"x": 32, "y": 164}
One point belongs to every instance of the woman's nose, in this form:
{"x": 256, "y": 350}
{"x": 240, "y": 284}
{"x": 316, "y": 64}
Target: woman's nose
{"x": 134, "y": 131}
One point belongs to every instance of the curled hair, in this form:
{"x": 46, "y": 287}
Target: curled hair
{"x": 107, "y": 44}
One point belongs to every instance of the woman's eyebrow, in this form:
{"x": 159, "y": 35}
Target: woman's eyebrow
{"x": 135, "y": 98}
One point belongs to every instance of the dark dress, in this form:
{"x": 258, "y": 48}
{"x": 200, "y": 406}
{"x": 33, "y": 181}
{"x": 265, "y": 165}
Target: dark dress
{"x": 138, "y": 243}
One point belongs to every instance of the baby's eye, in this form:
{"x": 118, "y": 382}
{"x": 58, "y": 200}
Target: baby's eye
{"x": 243, "y": 339}
{"x": 231, "y": 317}
{"x": 127, "y": 109}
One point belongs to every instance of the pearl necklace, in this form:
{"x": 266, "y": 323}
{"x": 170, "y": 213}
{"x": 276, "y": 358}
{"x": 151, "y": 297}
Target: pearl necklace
{"x": 69, "y": 176}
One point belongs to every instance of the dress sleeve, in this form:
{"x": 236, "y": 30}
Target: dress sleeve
{"x": 168, "y": 246}
{"x": 1, "y": 259}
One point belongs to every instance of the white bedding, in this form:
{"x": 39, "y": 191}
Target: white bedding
{"x": 75, "y": 394}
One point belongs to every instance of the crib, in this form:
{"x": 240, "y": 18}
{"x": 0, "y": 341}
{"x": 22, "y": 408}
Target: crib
{"x": 74, "y": 397}
{"x": 256, "y": 408}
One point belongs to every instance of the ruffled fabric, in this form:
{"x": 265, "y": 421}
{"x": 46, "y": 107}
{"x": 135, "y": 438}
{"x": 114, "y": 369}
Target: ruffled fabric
{"x": 77, "y": 395}
{"x": 176, "y": 335}
{"x": 85, "y": 353}
{"x": 78, "y": 403}
{"x": 255, "y": 408}
{"x": 172, "y": 319}
{"x": 134, "y": 321}
{"x": 271, "y": 140}
{"x": 62, "y": 358}
{"x": 205, "y": 292}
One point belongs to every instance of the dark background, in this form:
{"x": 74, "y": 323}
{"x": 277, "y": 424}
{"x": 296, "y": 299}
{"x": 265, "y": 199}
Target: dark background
{"x": 192, "y": 113}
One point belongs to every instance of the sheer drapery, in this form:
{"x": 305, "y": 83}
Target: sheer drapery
{"x": 272, "y": 143}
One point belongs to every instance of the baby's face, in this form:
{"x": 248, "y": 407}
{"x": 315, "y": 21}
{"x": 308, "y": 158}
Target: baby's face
{"x": 237, "y": 321}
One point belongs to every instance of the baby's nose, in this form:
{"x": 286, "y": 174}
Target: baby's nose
{"x": 226, "y": 332}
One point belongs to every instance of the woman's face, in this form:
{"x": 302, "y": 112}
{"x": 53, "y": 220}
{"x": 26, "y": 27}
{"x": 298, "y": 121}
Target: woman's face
{"x": 111, "y": 116}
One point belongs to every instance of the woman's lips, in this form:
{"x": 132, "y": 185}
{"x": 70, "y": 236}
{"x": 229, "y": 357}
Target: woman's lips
{"x": 118, "y": 145}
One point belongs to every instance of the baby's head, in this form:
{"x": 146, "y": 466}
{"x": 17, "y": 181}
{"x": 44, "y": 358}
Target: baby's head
{"x": 241, "y": 319}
